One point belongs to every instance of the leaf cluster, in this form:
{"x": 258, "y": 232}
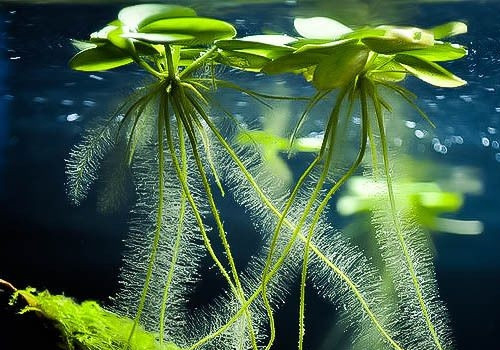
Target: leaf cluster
{"x": 330, "y": 55}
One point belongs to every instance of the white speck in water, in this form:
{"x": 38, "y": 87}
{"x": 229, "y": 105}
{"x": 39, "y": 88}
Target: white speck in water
{"x": 419, "y": 134}
{"x": 89, "y": 103}
{"x": 497, "y": 157}
{"x": 440, "y": 148}
{"x": 67, "y": 102}
{"x": 485, "y": 141}
{"x": 492, "y": 130}
{"x": 490, "y": 89}
{"x": 495, "y": 145}
{"x": 466, "y": 98}
{"x": 435, "y": 141}
{"x": 39, "y": 99}
{"x": 440, "y": 97}
{"x": 242, "y": 103}
{"x": 72, "y": 117}
{"x": 458, "y": 139}
{"x": 410, "y": 124}
{"x": 12, "y": 12}
{"x": 497, "y": 109}
{"x": 15, "y": 58}
{"x": 96, "y": 77}
{"x": 356, "y": 120}
{"x": 120, "y": 117}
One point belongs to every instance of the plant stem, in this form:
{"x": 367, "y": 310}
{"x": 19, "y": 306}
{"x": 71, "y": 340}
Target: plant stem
{"x": 158, "y": 225}
{"x": 177, "y": 243}
{"x": 396, "y": 221}
{"x": 267, "y": 202}
{"x": 222, "y": 234}
{"x": 197, "y": 63}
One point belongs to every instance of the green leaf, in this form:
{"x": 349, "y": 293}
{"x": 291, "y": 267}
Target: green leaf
{"x": 439, "y": 52}
{"x": 201, "y": 30}
{"x": 320, "y": 28}
{"x": 327, "y": 48}
{"x": 440, "y": 201}
{"x": 429, "y": 72}
{"x": 99, "y": 59}
{"x": 449, "y": 29}
{"x": 365, "y": 33}
{"x": 385, "y": 69}
{"x": 293, "y": 63}
{"x": 340, "y": 69}
{"x": 81, "y": 45}
{"x": 242, "y": 60}
{"x": 138, "y": 16}
{"x": 160, "y": 38}
{"x": 116, "y": 38}
{"x": 399, "y": 39}
{"x": 102, "y": 34}
{"x": 269, "y": 46}
{"x": 266, "y": 42}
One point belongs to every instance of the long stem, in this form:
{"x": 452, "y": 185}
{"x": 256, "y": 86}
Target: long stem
{"x": 222, "y": 234}
{"x": 397, "y": 222}
{"x": 197, "y": 214}
{"x": 322, "y": 207}
{"x": 180, "y": 228}
{"x": 158, "y": 225}
{"x": 275, "y": 211}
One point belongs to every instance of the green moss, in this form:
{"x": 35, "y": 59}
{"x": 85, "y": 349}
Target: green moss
{"x": 87, "y": 325}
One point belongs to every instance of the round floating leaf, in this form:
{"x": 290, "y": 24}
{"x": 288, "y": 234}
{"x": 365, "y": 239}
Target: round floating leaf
{"x": 202, "y": 30}
{"x": 449, "y": 29}
{"x": 429, "y": 72}
{"x": 99, "y": 58}
{"x": 398, "y": 39}
{"x": 340, "y": 68}
{"x": 439, "y": 52}
{"x": 138, "y": 16}
{"x": 160, "y": 38}
{"x": 320, "y": 28}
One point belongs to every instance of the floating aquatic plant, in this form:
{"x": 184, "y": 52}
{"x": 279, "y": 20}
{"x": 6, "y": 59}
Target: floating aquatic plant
{"x": 357, "y": 63}
{"x": 166, "y": 136}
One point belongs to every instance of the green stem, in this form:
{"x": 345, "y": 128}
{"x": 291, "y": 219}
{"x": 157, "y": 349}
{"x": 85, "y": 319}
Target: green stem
{"x": 396, "y": 221}
{"x": 147, "y": 67}
{"x": 180, "y": 227}
{"x": 198, "y": 62}
{"x": 275, "y": 211}
{"x": 158, "y": 225}
{"x": 222, "y": 234}
{"x": 170, "y": 63}
{"x": 326, "y": 167}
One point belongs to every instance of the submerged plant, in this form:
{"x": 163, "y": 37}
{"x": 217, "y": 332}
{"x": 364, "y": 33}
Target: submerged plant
{"x": 165, "y": 135}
